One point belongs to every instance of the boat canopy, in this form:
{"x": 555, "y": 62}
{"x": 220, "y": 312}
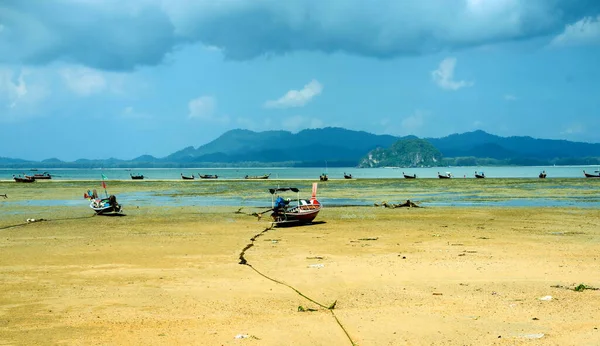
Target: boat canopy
{"x": 293, "y": 189}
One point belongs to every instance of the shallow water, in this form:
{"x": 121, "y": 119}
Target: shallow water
{"x": 306, "y": 173}
{"x": 506, "y": 192}
{"x": 146, "y": 199}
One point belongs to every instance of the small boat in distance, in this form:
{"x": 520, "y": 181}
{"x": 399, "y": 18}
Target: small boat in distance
{"x": 542, "y": 175}
{"x": 323, "y": 177}
{"x": 266, "y": 176}
{"x": 25, "y": 179}
{"x": 347, "y": 176}
{"x": 406, "y": 176}
{"x": 208, "y": 176}
{"x": 589, "y": 175}
{"x": 185, "y": 177}
{"x": 136, "y": 177}
{"x": 448, "y": 175}
{"x": 304, "y": 212}
{"x": 44, "y": 175}
{"x": 479, "y": 175}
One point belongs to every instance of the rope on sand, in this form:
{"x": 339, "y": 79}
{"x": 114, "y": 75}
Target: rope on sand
{"x": 44, "y": 220}
{"x": 330, "y": 308}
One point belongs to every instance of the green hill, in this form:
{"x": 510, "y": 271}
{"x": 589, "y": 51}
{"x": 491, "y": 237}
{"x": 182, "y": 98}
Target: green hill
{"x": 407, "y": 152}
{"x": 312, "y": 145}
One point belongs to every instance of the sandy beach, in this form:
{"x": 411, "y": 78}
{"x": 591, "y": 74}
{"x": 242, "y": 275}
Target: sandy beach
{"x": 419, "y": 276}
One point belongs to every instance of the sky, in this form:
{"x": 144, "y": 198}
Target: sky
{"x": 109, "y": 78}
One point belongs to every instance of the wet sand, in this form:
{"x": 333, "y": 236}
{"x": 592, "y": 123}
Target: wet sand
{"x": 427, "y": 276}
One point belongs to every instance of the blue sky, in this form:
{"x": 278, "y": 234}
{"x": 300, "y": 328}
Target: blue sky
{"x": 111, "y": 78}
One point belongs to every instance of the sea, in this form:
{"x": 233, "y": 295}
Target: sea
{"x": 305, "y": 173}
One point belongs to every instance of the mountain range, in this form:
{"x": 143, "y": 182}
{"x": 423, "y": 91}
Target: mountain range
{"x": 341, "y": 147}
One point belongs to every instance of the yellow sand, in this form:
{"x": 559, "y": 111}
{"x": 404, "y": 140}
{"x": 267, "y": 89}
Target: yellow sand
{"x": 431, "y": 276}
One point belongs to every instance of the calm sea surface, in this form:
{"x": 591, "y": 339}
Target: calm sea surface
{"x": 306, "y": 173}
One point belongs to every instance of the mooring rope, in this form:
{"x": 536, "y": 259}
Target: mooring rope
{"x": 330, "y": 308}
{"x": 43, "y": 220}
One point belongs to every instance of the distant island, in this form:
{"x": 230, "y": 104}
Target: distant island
{"x": 338, "y": 147}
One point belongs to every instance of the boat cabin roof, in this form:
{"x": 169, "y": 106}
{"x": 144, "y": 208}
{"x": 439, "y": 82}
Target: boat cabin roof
{"x": 293, "y": 189}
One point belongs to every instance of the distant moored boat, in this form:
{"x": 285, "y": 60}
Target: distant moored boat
{"x": 208, "y": 176}
{"x": 44, "y": 175}
{"x": 266, "y": 176}
{"x": 406, "y": 176}
{"x": 589, "y": 175}
{"x": 184, "y": 177}
{"x": 25, "y": 179}
{"x": 448, "y": 175}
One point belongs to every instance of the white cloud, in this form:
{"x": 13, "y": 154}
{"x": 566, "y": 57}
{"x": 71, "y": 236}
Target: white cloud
{"x": 13, "y": 89}
{"x": 413, "y": 122}
{"x": 444, "y": 76}
{"x": 130, "y": 113}
{"x": 205, "y": 108}
{"x": 510, "y": 97}
{"x": 292, "y": 124}
{"x": 297, "y": 98}
{"x": 585, "y": 31}
{"x": 298, "y": 122}
{"x": 202, "y": 107}
{"x": 21, "y": 92}
{"x": 574, "y": 129}
{"x": 83, "y": 81}
{"x": 262, "y": 124}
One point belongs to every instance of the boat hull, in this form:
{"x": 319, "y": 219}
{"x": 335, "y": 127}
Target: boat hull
{"x": 103, "y": 207}
{"x": 258, "y": 177}
{"x": 300, "y": 215}
{"x": 443, "y": 177}
{"x": 588, "y": 175}
{"x": 108, "y": 210}
{"x": 24, "y": 180}
{"x": 410, "y": 176}
{"x": 42, "y": 176}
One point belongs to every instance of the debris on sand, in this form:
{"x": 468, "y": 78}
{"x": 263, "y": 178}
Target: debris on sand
{"x": 578, "y": 288}
{"x": 407, "y": 204}
{"x": 533, "y": 336}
